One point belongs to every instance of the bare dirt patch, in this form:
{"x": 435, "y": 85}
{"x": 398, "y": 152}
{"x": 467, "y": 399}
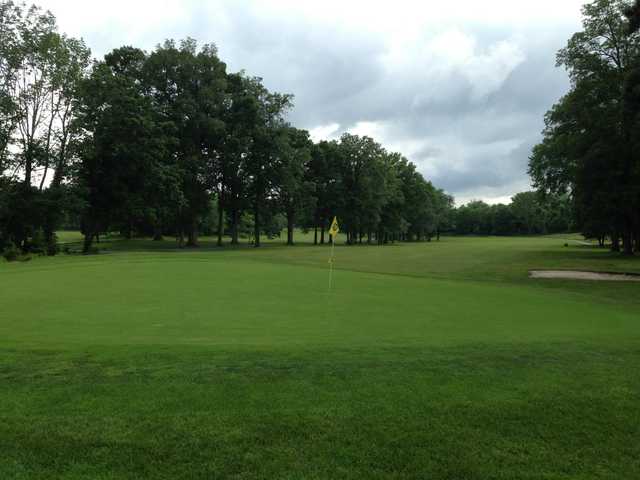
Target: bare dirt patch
{"x": 579, "y": 275}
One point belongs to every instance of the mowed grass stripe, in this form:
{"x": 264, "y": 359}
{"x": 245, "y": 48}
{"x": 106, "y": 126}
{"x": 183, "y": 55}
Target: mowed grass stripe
{"x": 555, "y": 411}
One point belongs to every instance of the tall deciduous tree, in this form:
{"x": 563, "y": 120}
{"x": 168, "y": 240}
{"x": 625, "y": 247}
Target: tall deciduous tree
{"x": 10, "y": 56}
{"x": 588, "y": 139}
{"x": 188, "y": 86}
{"x": 262, "y": 158}
{"x": 294, "y": 193}
{"x": 123, "y": 141}
{"x": 39, "y": 73}
{"x": 633, "y": 15}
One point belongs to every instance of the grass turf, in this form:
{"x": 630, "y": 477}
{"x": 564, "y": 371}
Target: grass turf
{"x": 438, "y": 360}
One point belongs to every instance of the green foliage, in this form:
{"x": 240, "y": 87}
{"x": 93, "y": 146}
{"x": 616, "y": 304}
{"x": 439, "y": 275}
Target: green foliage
{"x": 40, "y": 70}
{"x": 141, "y": 142}
{"x": 227, "y": 137}
{"x": 633, "y": 15}
{"x": 589, "y": 148}
{"x": 530, "y": 213}
{"x": 375, "y": 193}
{"x": 11, "y": 253}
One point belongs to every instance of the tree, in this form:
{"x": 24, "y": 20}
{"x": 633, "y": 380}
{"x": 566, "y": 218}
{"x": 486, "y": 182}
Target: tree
{"x": 10, "y": 55}
{"x": 232, "y": 174}
{"x": 123, "y": 141}
{"x": 474, "y": 218}
{"x": 527, "y": 213}
{"x": 363, "y": 175}
{"x": 504, "y": 220}
{"x": 423, "y": 205}
{"x": 188, "y": 87}
{"x": 588, "y": 138}
{"x": 327, "y": 189}
{"x": 392, "y": 220}
{"x": 39, "y": 72}
{"x": 631, "y": 107}
{"x": 295, "y": 154}
{"x": 444, "y": 212}
{"x": 633, "y": 15}
{"x": 262, "y": 158}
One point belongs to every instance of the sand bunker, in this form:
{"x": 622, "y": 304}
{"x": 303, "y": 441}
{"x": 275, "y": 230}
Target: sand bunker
{"x": 578, "y": 275}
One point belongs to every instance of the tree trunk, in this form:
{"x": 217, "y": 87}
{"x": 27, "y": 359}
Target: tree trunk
{"x": 157, "y": 229}
{"x": 627, "y": 242}
{"x": 615, "y": 243}
{"x": 88, "y": 241}
{"x": 234, "y": 225}
{"x": 315, "y": 234}
{"x": 192, "y": 234}
{"x": 28, "y": 167}
{"x": 88, "y": 237}
{"x": 290, "y": 218}
{"x": 256, "y": 223}
{"x": 220, "y": 221}
{"x": 322, "y": 231}
{"x": 127, "y": 230}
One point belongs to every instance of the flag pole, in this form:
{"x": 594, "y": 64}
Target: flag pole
{"x": 333, "y": 245}
{"x": 333, "y": 231}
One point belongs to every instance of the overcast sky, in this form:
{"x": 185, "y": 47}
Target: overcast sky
{"x": 459, "y": 87}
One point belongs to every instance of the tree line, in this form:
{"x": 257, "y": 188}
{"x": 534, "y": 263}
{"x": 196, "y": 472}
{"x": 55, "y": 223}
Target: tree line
{"x": 529, "y": 213}
{"x": 591, "y": 144}
{"x": 168, "y": 142}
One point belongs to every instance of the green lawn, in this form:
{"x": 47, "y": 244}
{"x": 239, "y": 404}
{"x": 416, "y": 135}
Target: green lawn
{"x": 437, "y": 360}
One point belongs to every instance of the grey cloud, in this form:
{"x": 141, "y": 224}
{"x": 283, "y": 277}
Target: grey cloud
{"x": 494, "y": 171}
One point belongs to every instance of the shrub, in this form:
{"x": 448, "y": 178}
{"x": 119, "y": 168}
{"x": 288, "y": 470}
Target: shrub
{"x": 11, "y": 253}
{"x": 52, "y": 246}
{"x": 37, "y": 243}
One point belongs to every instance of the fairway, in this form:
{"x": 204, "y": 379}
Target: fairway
{"x": 425, "y": 360}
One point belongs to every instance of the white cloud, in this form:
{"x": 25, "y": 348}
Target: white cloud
{"x": 487, "y": 72}
{"x": 325, "y": 132}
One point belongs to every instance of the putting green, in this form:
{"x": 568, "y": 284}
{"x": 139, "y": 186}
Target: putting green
{"x": 191, "y": 301}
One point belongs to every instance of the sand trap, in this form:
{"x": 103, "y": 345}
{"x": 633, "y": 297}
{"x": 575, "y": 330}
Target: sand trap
{"x": 577, "y": 275}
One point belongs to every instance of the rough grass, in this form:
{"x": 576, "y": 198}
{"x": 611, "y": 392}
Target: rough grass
{"x": 438, "y": 360}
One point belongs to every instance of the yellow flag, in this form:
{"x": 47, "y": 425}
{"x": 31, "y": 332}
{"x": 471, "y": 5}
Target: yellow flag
{"x": 335, "y": 228}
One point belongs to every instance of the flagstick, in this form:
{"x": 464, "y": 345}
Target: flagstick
{"x": 333, "y": 245}
{"x": 326, "y": 311}
{"x": 334, "y": 230}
